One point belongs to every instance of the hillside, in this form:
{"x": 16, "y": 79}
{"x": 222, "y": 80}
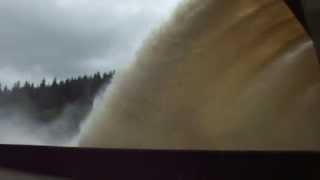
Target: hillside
{"x": 68, "y": 100}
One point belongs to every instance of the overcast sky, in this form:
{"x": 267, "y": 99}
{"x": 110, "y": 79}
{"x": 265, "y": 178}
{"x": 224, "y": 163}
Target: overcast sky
{"x": 64, "y": 38}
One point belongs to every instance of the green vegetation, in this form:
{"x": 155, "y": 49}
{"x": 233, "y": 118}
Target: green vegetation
{"x": 47, "y": 102}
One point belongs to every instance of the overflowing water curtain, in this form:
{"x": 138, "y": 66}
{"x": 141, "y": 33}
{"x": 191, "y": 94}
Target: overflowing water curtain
{"x": 218, "y": 75}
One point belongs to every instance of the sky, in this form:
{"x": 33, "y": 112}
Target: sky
{"x": 65, "y": 38}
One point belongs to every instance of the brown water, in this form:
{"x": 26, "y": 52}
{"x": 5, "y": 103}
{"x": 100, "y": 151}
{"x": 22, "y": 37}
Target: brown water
{"x": 220, "y": 74}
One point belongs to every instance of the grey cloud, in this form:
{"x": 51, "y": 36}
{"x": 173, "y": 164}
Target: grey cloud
{"x": 70, "y": 37}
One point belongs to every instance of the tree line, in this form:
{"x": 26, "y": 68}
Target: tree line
{"x": 48, "y": 100}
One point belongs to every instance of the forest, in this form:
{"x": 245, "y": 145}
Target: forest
{"x": 45, "y": 102}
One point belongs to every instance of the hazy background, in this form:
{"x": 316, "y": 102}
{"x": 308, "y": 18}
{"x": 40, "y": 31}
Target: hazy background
{"x": 63, "y": 39}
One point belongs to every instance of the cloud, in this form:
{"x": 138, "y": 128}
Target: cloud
{"x": 9, "y": 75}
{"x": 65, "y": 38}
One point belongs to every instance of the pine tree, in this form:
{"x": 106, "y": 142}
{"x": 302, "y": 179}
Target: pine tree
{"x": 43, "y": 83}
{"x": 54, "y": 83}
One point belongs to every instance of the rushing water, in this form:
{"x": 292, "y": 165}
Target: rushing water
{"x": 220, "y": 74}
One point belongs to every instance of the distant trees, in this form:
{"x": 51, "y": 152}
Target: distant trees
{"x": 49, "y": 99}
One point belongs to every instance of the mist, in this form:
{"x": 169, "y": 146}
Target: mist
{"x": 46, "y": 115}
{"x": 19, "y": 127}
